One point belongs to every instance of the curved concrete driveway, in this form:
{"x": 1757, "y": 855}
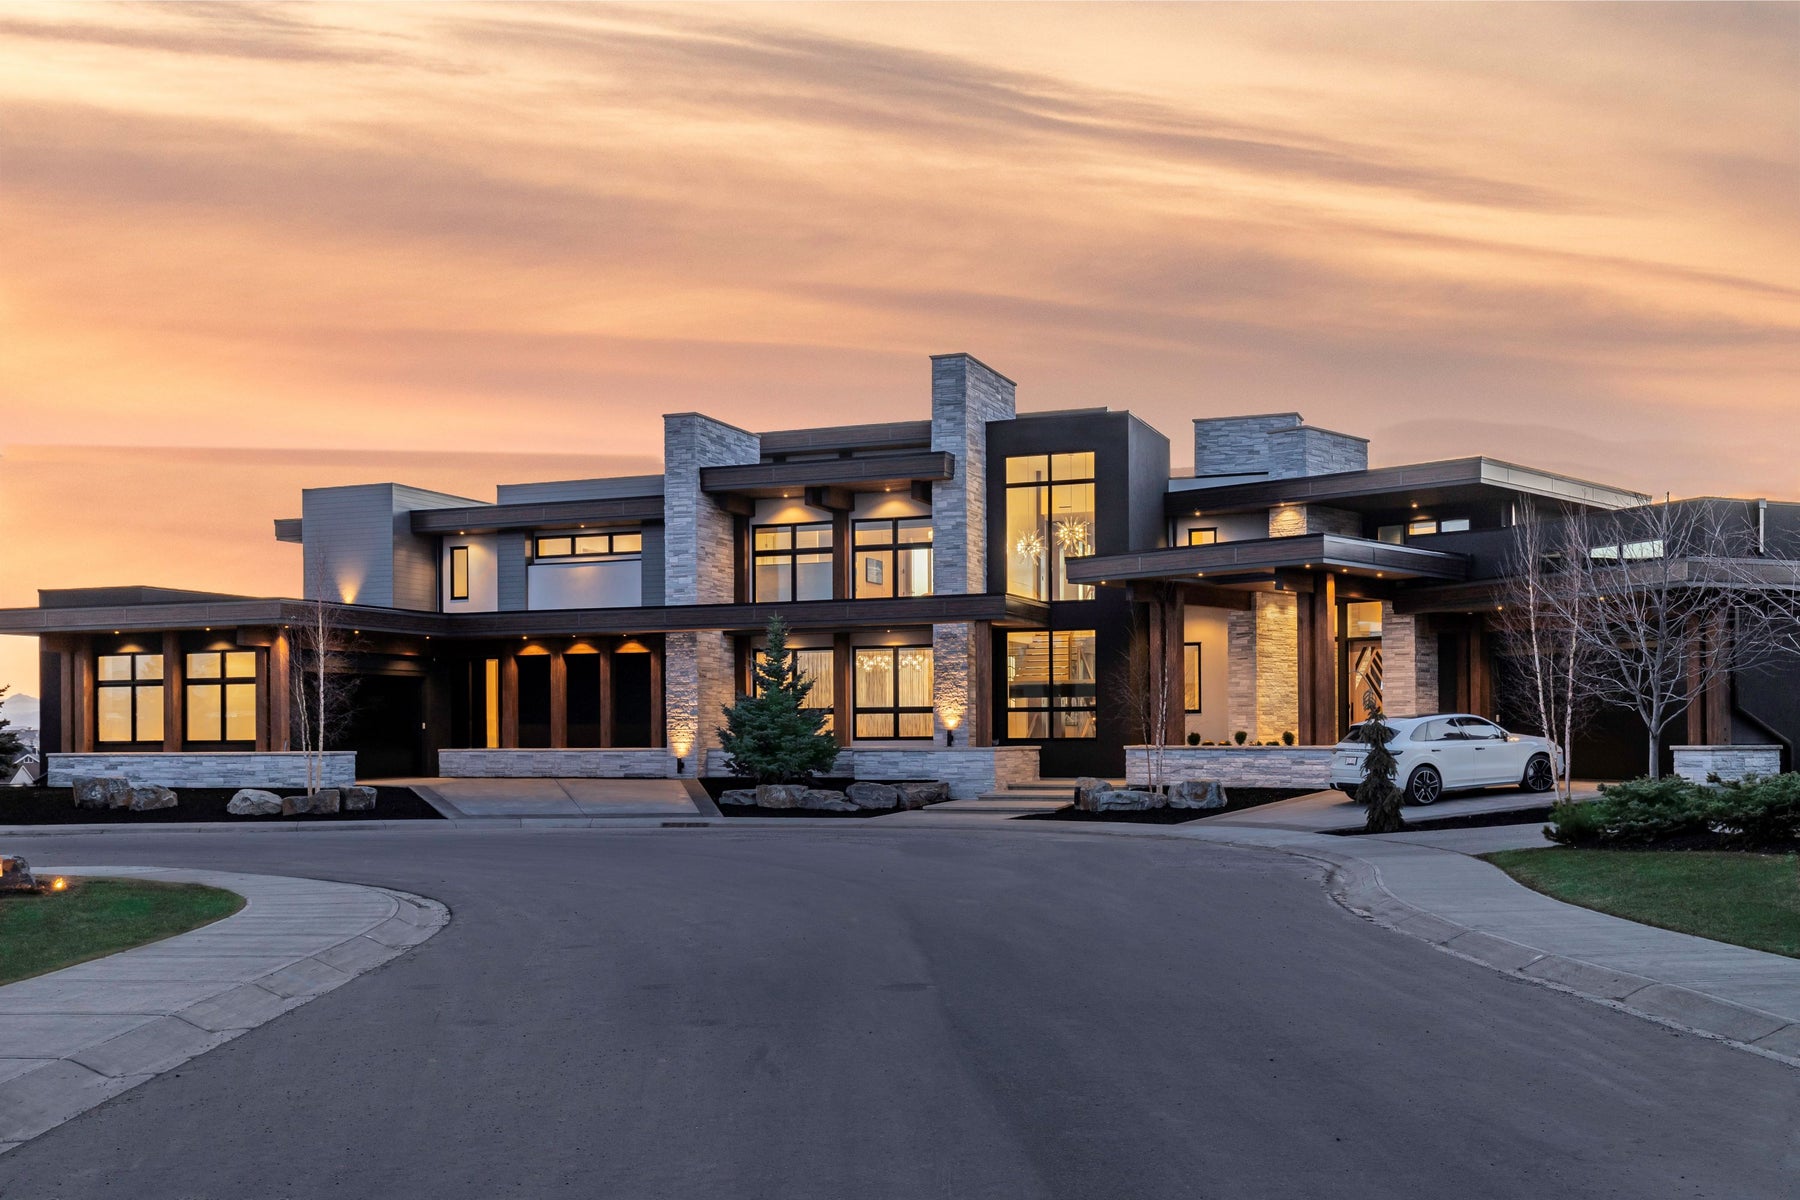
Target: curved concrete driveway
{"x": 834, "y": 1013}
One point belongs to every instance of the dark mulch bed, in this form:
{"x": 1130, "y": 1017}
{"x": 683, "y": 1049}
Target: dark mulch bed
{"x": 1236, "y": 799}
{"x": 56, "y": 806}
{"x": 1485, "y": 820}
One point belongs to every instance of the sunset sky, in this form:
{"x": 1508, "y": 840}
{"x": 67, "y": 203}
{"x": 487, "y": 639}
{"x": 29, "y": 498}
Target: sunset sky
{"x": 245, "y": 248}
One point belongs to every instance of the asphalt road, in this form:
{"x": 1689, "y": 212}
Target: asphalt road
{"x": 856, "y": 1014}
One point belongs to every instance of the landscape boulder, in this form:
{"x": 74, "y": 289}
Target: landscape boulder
{"x": 918, "y": 795}
{"x": 1088, "y": 792}
{"x": 323, "y": 802}
{"x": 873, "y": 795}
{"x": 15, "y": 875}
{"x": 820, "y": 800}
{"x": 359, "y": 799}
{"x": 254, "y": 802}
{"x": 738, "y": 796}
{"x": 150, "y": 795}
{"x": 101, "y": 791}
{"x": 1127, "y": 800}
{"x": 780, "y": 795}
{"x": 1197, "y": 793}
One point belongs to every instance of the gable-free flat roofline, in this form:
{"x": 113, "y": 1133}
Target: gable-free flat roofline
{"x": 1383, "y": 481}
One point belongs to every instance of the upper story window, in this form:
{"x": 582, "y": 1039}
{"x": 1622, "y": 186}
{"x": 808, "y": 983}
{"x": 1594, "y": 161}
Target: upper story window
{"x": 587, "y": 545}
{"x": 459, "y": 572}
{"x": 892, "y": 558}
{"x": 1420, "y": 526}
{"x": 129, "y": 698}
{"x": 790, "y": 562}
{"x": 1203, "y": 537}
{"x": 1049, "y": 520}
{"x": 221, "y": 696}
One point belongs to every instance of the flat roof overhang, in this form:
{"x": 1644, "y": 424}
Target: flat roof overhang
{"x": 732, "y": 618}
{"x": 558, "y": 514}
{"x": 1758, "y": 574}
{"x": 1258, "y": 561}
{"x": 791, "y": 480}
{"x": 1448, "y": 481}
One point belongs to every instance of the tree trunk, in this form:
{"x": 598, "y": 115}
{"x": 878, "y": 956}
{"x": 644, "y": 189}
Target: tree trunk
{"x": 1655, "y": 755}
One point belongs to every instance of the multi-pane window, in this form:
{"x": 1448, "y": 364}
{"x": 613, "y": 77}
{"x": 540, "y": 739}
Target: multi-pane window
{"x": 1050, "y": 684}
{"x": 892, "y": 696}
{"x": 221, "y": 696}
{"x": 893, "y": 558}
{"x": 1190, "y": 677}
{"x": 459, "y": 572}
{"x": 1049, "y": 520}
{"x": 129, "y": 699}
{"x": 1203, "y": 537}
{"x": 587, "y": 545}
{"x": 816, "y": 667}
{"x": 790, "y": 562}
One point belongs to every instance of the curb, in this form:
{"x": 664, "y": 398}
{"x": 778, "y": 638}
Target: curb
{"x": 77, "y": 1069}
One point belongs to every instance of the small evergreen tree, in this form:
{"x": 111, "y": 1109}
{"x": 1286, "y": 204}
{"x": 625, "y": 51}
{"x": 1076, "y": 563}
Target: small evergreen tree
{"x": 11, "y": 745}
{"x": 768, "y": 737}
{"x": 1378, "y": 792}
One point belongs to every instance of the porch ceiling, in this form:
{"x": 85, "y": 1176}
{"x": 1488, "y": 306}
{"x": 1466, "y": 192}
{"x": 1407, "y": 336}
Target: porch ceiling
{"x": 1251, "y": 562}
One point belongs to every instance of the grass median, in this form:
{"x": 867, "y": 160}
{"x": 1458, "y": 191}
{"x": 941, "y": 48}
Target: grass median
{"x": 97, "y": 917}
{"x": 1743, "y": 898}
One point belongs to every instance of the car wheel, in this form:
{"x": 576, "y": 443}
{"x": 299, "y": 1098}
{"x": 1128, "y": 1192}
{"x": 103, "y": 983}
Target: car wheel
{"x": 1540, "y": 776}
{"x": 1425, "y": 786}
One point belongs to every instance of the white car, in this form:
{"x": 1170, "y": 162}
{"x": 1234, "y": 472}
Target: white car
{"x": 1451, "y": 752}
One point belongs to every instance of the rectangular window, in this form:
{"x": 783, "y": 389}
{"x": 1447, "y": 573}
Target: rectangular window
{"x": 128, "y": 706}
{"x": 1419, "y": 525}
{"x": 1050, "y": 686}
{"x": 1190, "y": 677}
{"x": 892, "y": 558}
{"x": 893, "y": 693}
{"x": 490, "y": 678}
{"x": 790, "y": 562}
{"x": 1454, "y": 525}
{"x": 587, "y": 545}
{"x": 459, "y": 572}
{"x": 1049, "y": 520}
{"x": 1203, "y": 537}
{"x": 1393, "y": 535}
{"x": 221, "y": 696}
{"x": 1362, "y": 619}
{"x": 816, "y": 667}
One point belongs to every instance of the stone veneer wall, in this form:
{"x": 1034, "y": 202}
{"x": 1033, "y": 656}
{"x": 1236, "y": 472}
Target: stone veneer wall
{"x": 969, "y": 770}
{"x": 1263, "y": 687}
{"x": 1278, "y": 445}
{"x": 966, "y": 394}
{"x": 1409, "y": 664}
{"x": 556, "y": 764}
{"x": 1727, "y": 762}
{"x": 1235, "y": 766}
{"x": 698, "y": 687}
{"x": 263, "y": 769}
{"x": 1293, "y": 520}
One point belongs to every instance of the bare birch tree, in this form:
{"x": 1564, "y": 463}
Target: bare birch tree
{"x": 1146, "y": 688}
{"x": 1683, "y": 596}
{"x": 321, "y": 685}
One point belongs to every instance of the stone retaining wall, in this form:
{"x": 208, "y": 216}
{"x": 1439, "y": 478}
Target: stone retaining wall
{"x": 1240, "y": 766}
{"x": 556, "y": 764}
{"x": 1727, "y": 762}
{"x": 266, "y": 769}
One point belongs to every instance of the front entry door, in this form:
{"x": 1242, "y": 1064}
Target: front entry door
{"x": 1362, "y": 677}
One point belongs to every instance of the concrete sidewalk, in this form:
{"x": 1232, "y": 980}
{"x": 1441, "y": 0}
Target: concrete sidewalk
{"x": 477, "y": 799}
{"x": 73, "y": 1038}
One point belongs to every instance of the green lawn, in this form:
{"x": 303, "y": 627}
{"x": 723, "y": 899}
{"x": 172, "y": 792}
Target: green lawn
{"x": 96, "y": 917}
{"x": 1747, "y": 899}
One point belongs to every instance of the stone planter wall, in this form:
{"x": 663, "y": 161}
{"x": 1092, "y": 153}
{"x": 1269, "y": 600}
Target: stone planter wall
{"x": 1727, "y": 762}
{"x": 969, "y": 770}
{"x": 1240, "y": 766}
{"x": 266, "y": 769}
{"x": 557, "y": 764}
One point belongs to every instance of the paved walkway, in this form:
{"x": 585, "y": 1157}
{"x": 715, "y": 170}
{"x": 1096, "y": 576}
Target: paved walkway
{"x": 531, "y": 798}
{"x": 76, "y": 1037}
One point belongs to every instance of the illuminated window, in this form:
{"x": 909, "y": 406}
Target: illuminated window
{"x": 1419, "y": 525}
{"x": 1393, "y": 535}
{"x": 790, "y": 562}
{"x": 459, "y": 572}
{"x": 129, "y": 698}
{"x": 1050, "y": 690}
{"x": 1190, "y": 677}
{"x": 893, "y": 692}
{"x": 1202, "y": 537}
{"x": 892, "y": 558}
{"x": 1049, "y": 520}
{"x": 1454, "y": 525}
{"x": 588, "y": 545}
{"x": 816, "y": 667}
{"x": 221, "y": 696}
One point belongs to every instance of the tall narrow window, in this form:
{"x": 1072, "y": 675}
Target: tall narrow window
{"x": 490, "y": 678}
{"x": 1190, "y": 677}
{"x": 221, "y": 696}
{"x": 1049, "y": 520}
{"x": 1050, "y": 689}
{"x": 459, "y": 572}
{"x": 129, "y": 700}
{"x": 790, "y": 562}
{"x": 893, "y": 558}
{"x": 893, "y": 693}
{"x": 816, "y": 667}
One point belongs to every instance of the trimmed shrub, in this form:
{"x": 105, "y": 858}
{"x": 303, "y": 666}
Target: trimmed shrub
{"x": 1193, "y": 739}
{"x": 1757, "y": 812}
{"x": 1240, "y": 737}
{"x": 1635, "y": 813}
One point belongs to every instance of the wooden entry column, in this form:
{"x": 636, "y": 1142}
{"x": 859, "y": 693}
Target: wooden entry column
{"x": 559, "y": 700}
{"x": 1317, "y": 662}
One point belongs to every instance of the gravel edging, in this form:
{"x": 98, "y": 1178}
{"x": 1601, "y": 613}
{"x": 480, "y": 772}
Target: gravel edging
{"x": 74, "y": 1038}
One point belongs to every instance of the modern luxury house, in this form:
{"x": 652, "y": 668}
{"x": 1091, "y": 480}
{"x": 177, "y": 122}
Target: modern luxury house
{"x": 974, "y": 594}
